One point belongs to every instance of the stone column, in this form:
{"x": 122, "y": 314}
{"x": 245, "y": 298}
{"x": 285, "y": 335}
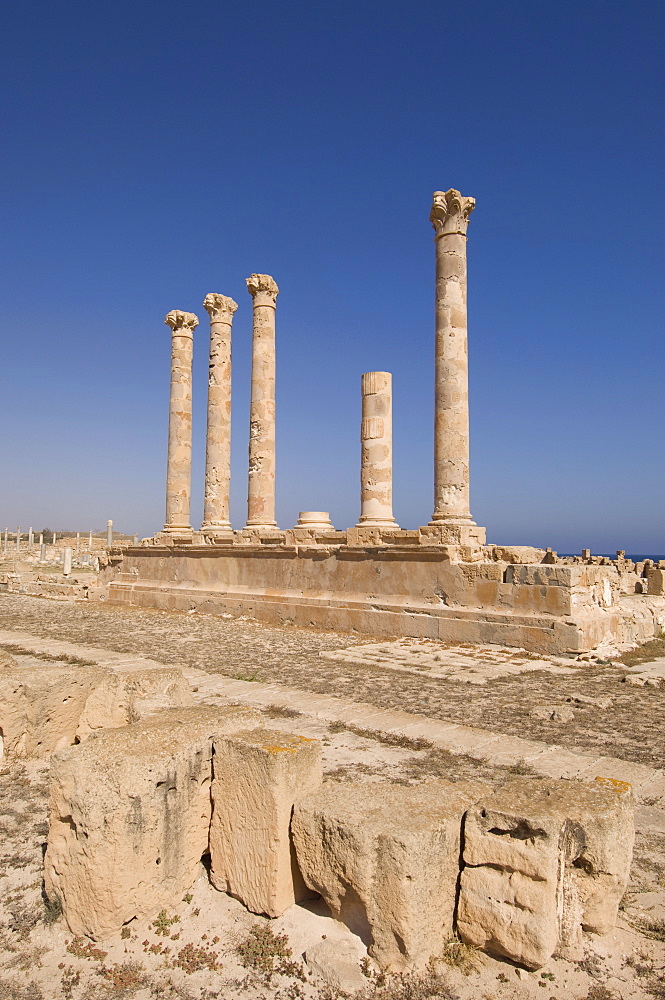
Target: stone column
{"x": 179, "y": 462}
{"x": 450, "y": 217}
{"x": 18, "y": 539}
{"x": 90, "y": 541}
{"x": 109, "y": 533}
{"x": 376, "y": 438}
{"x": 216, "y": 504}
{"x": 67, "y": 561}
{"x": 31, "y": 538}
{"x": 261, "y": 486}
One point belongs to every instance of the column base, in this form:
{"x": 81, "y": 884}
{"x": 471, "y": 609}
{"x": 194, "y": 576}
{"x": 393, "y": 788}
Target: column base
{"x": 176, "y": 535}
{"x": 452, "y": 533}
{"x": 256, "y": 532}
{"x": 388, "y": 523}
{"x": 217, "y": 532}
{"x": 368, "y": 535}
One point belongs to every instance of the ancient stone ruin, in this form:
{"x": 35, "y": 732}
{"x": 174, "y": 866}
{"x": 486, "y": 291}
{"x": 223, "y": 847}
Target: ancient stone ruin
{"x": 143, "y": 785}
{"x": 438, "y": 581}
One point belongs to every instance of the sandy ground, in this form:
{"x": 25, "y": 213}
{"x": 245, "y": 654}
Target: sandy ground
{"x": 208, "y": 946}
{"x": 630, "y": 727}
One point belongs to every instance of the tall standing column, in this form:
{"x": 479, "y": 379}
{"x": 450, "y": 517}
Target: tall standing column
{"x": 179, "y": 462}
{"x": 261, "y": 485}
{"x": 450, "y": 217}
{"x": 376, "y": 465}
{"x": 216, "y": 504}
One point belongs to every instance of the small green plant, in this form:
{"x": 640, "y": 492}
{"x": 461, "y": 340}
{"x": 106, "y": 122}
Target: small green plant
{"x": 192, "y": 958}
{"x": 267, "y": 954}
{"x": 124, "y": 976}
{"x": 163, "y": 923}
{"x": 69, "y": 979}
{"x": 187, "y": 898}
{"x": 81, "y": 948}
{"x": 460, "y": 956}
{"x": 125, "y": 933}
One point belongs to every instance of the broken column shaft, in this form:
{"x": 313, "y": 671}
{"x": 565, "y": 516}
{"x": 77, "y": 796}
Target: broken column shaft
{"x": 179, "y": 462}
{"x": 261, "y": 484}
{"x": 376, "y": 436}
{"x": 216, "y": 504}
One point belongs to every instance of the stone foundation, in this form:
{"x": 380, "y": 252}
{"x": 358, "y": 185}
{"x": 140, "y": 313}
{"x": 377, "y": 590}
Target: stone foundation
{"x": 398, "y": 584}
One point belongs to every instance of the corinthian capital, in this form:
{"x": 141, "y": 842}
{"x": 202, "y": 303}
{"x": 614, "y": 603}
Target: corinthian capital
{"x": 257, "y": 283}
{"x": 450, "y": 212}
{"x": 220, "y": 308}
{"x": 181, "y": 322}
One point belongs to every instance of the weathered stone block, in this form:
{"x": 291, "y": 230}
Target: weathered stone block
{"x": 543, "y": 861}
{"x": 129, "y": 815}
{"x": 385, "y": 858}
{"x": 50, "y": 706}
{"x": 257, "y": 777}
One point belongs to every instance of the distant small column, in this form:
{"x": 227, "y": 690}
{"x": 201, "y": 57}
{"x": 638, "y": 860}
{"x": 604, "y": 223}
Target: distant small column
{"x": 67, "y": 561}
{"x": 450, "y": 218}
{"x": 376, "y": 466}
{"x": 78, "y": 541}
{"x": 261, "y": 485}
{"x": 55, "y": 538}
{"x": 18, "y": 539}
{"x": 42, "y": 550}
{"x": 90, "y": 541}
{"x": 216, "y": 504}
{"x": 109, "y": 533}
{"x": 31, "y": 538}
{"x": 179, "y": 462}
{"x": 135, "y": 540}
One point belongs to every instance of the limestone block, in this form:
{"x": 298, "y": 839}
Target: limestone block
{"x": 257, "y": 777}
{"x": 128, "y": 694}
{"x": 337, "y": 963}
{"x": 544, "y": 860}
{"x": 40, "y": 708}
{"x": 129, "y": 814}
{"x": 385, "y": 858}
{"x": 50, "y": 706}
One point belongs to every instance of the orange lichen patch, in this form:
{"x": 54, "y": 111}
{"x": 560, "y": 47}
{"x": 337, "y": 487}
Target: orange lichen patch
{"x": 621, "y": 787}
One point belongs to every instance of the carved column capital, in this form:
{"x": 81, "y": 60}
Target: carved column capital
{"x": 220, "y": 308}
{"x": 182, "y": 323}
{"x": 265, "y": 286}
{"x": 450, "y": 212}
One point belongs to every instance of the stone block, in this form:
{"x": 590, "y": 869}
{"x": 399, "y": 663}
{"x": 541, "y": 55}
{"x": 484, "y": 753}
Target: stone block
{"x": 129, "y": 815}
{"x": 385, "y": 858}
{"x": 48, "y": 706}
{"x": 544, "y": 860}
{"x": 257, "y": 777}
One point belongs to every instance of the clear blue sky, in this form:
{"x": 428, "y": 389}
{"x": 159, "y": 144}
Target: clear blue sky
{"x": 154, "y": 152}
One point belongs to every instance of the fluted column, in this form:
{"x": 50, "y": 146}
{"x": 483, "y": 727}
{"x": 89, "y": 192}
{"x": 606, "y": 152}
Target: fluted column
{"x": 450, "y": 217}
{"x": 179, "y": 462}
{"x": 376, "y": 464}
{"x": 261, "y": 485}
{"x": 216, "y": 513}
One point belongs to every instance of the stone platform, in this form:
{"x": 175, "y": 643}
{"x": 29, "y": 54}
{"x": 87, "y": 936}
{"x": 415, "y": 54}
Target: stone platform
{"x": 402, "y": 585}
